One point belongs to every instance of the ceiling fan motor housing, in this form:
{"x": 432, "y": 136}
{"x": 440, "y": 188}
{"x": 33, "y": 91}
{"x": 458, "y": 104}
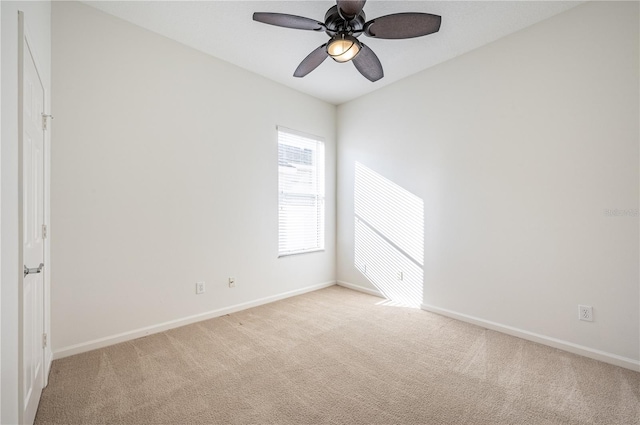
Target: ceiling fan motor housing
{"x": 336, "y": 24}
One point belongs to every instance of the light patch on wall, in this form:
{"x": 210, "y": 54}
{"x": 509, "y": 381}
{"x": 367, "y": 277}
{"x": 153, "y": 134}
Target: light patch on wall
{"x": 389, "y": 237}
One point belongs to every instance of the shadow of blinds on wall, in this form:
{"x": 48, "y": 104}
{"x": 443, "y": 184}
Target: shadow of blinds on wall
{"x": 389, "y": 236}
{"x": 301, "y": 192}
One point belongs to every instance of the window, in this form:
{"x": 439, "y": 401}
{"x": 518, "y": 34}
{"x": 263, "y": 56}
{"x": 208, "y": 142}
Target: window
{"x": 301, "y": 192}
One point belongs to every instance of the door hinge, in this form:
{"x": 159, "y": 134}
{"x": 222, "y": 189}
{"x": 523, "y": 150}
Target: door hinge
{"x": 44, "y": 340}
{"x": 45, "y": 117}
{"x": 44, "y": 231}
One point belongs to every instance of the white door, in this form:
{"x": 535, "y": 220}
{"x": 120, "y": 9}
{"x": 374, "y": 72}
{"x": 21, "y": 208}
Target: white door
{"x": 32, "y": 127}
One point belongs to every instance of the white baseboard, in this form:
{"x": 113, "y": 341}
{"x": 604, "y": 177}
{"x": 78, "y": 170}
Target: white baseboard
{"x": 359, "y": 288}
{"x": 161, "y": 327}
{"x": 592, "y": 353}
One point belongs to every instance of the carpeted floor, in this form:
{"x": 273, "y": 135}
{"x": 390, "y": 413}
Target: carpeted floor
{"x": 336, "y": 356}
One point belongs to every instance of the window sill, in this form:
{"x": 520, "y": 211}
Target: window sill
{"x": 289, "y": 254}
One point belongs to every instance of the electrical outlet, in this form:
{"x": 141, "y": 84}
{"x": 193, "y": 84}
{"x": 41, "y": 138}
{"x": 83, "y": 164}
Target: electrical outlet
{"x": 232, "y": 282}
{"x": 364, "y": 269}
{"x": 200, "y": 288}
{"x": 585, "y": 312}
{"x": 400, "y": 276}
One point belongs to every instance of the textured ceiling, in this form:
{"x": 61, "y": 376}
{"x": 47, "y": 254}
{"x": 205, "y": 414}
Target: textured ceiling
{"x": 225, "y": 29}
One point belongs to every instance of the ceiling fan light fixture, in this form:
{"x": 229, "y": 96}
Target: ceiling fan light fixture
{"x": 344, "y": 20}
{"x": 343, "y": 47}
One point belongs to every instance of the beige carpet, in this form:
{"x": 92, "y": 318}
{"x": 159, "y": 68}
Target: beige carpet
{"x": 336, "y": 356}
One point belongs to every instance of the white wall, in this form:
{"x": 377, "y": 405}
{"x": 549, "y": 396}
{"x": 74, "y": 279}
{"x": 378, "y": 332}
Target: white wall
{"x": 517, "y": 149}
{"x": 38, "y": 21}
{"x": 164, "y": 173}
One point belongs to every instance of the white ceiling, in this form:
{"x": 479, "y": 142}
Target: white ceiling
{"x": 225, "y": 29}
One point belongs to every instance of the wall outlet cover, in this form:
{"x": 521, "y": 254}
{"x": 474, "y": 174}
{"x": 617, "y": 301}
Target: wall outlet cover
{"x": 585, "y": 312}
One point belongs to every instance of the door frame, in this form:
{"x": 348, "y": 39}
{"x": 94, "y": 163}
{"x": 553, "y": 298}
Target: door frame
{"x": 47, "y": 355}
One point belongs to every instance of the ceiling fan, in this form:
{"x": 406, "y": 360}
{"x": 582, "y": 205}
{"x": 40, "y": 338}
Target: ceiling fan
{"x": 346, "y": 21}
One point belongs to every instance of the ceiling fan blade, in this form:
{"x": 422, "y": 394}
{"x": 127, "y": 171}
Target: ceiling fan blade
{"x": 368, "y": 64}
{"x": 403, "y": 25}
{"x": 312, "y": 61}
{"x": 349, "y": 9}
{"x": 288, "y": 21}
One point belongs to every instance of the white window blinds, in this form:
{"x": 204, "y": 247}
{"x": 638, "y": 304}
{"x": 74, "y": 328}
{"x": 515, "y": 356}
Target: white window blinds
{"x": 301, "y": 192}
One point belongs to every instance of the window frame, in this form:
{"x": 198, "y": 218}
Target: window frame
{"x": 318, "y": 194}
